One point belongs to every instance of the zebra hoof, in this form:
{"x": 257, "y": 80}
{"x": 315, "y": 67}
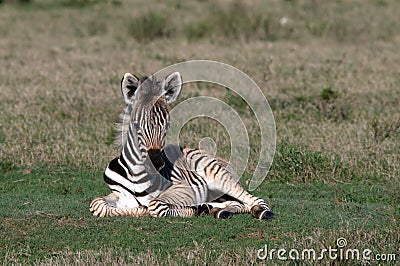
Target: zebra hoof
{"x": 223, "y": 214}
{"x": 266, "y": 215}
{"x": 262, "y": 213}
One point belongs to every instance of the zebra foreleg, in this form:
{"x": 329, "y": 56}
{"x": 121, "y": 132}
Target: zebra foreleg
{"x": 108, "y": 206}
{"x": 160, "y": 208}
{"x": 179, "y": 200}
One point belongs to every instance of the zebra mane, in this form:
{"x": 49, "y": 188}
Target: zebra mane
{"x": 122, "y": 127}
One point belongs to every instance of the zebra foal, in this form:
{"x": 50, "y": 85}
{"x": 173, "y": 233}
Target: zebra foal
{"x": 148, "y": 178}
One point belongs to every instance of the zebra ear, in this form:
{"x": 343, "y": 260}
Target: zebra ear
{"x": 172, "y": 86}
{"x": 129, "y": 85}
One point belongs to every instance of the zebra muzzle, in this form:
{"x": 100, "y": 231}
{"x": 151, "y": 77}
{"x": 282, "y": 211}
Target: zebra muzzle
{"x": 156, "y": 158}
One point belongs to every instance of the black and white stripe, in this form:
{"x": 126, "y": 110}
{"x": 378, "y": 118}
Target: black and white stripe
{"x": 174, "y": 182}
{"x": 133, "y": 177}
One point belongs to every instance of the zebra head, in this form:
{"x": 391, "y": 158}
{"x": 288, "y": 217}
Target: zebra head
{"x": 147, "y": 102}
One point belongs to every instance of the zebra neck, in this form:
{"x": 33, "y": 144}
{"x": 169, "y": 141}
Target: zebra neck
{"x": 134, "y": 168}
{"x": 132, "y": 158}
{"x": 133, "y": 155}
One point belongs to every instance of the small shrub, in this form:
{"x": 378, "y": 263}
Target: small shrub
{"x": 236, "y": 21}
{"x": 97, "y": 27}
{"x": 328, "y": 94}
{"x": 7, "y": 166}
{"x": 150, "y": 26}
{"x": 381, "y": 130}
{"x": 269, "y": 30}
{"x": 198, "y": 30}
{"x": 331, "y": 105}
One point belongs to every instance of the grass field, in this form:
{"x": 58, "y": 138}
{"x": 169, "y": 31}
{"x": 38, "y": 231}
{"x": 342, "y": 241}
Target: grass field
{"x": 329, "y": 69}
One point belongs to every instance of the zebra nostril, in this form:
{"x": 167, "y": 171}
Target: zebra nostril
{"x": 156, "y": 158}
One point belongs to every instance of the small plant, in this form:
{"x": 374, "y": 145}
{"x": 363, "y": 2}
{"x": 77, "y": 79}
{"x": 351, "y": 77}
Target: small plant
{"x": 269, "y": 29}
{"x": 328, "y": 94}
{"x": 6, "y": 166}
{"x": 150, "y": 26}
{"x": 381, "y": 130}
{"x": 198, "y": 30}
{"x": 331, "y": 105}
{"x": 317, "y": 28}
{"x": 96, "y": 27}
{"x": 237, "y": 21}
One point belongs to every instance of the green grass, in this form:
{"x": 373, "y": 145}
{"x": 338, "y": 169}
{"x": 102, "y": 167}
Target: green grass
{"x": 49, "y": 220}
{"x": 329, "y": 70}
